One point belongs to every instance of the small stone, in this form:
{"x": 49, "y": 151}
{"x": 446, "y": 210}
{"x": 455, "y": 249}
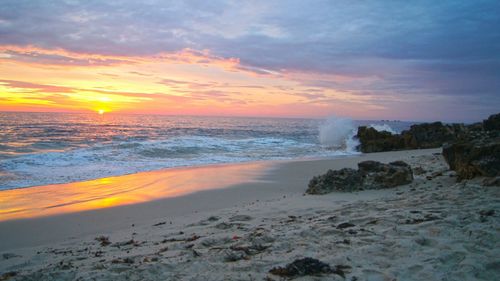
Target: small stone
{"x": 345, "y": 225}
{"x": 104, "y": 240}
{"x": 240, "y": 218}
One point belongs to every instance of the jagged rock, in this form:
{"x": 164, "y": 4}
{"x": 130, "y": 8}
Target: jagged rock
{"x": 370, "y": 175}
{"x": 377, "y": 175}
{"x": 492, "y": 123}
{"x": 426, "y": 135}
{"x": 480, "y": 157}
{"x": 372, "y": 140}
{"x": 339, "y": 180}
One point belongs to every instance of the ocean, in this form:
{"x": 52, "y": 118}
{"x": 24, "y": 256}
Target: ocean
{"x": 50, "y": 148}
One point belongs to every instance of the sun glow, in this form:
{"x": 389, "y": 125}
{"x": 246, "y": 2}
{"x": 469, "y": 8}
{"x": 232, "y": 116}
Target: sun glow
{"x": 101, "y": 111}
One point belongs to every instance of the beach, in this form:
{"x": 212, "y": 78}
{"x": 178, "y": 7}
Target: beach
{"x": 431, "y": 229}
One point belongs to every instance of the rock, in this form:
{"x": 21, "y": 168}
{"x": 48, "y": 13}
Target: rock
{"x": 419, "y": 171}
{"x": 492, "y": 123}
{"x": 240, "y": 218}
{"x": 309, "y": 266}
{"x": 104, "y": 240}
{"x": 377, "y": 175}
{"x": 425, "y": 135}
{"x": 487, "y": 213}
{"x": 431, "y": 135}
{"x": 339, "y": 180}
{"x": 370, "y": 175}
{"x": 491, "y": 181}
{"x": 345, "y": 225}
{"x": 372, "y": 140}
{"x": 8, "y": 275}
{"x": 302, "y": 267}
{"x": 123, "y": 260}
{"x": 232, "y": 256}
{"x": 478, "y": 157}
{"x": 7, "y": 256}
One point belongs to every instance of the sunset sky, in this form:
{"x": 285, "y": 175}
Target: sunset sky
{"x": 410, "y": 60}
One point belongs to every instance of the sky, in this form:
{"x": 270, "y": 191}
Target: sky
{"x": 407, "y": 60}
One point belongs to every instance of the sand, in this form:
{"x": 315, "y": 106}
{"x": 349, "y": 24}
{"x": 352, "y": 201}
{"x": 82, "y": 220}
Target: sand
{"x": 431, "y": 229}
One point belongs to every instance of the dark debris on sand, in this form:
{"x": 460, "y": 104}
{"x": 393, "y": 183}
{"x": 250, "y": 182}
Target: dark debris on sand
{"x": 104, "y": 240}
{"x": 308, "y": 266}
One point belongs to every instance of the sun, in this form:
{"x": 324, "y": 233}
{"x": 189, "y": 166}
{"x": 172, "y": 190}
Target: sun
{"x": 101, "y": 111}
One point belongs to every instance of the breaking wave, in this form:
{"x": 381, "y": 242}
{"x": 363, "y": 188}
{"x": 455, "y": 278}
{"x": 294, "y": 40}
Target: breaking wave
{"x": 338, "y": 133}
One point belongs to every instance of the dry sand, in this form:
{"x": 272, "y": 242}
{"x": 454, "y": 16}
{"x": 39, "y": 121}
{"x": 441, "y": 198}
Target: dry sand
{"x": 432, "y": 229}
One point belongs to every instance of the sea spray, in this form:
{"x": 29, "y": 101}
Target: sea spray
{"x": 338, "y": 133}
{"x": 383, "y": 127}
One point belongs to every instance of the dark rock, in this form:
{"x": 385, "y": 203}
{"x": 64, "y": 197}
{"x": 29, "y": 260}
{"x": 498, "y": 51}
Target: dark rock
{"x": 7, "y": 256}
{"x": 240, "y": 218}
{"x": 372, "y": 140}
{"x": 370, "y": 175}
{"x": 495, "y": 181}
{"x": 103, "y": 240}
{"x": 232, "y": 256}
{"x": 425, "y": 135}
{"x": 377, "y": 175}
{"x": 123, "y": 260}
{"x": 8, "y": 275}
{"x": 487, "y": 213}
{"x": 302, "y": 267}
{"x": 345, "y": 225}
{"x": 431, "y": 135}
{"x": 492, "y": 123}
{"x": 479, "y": 157}
{"x": 339, "y": 180}
{"x": 419, "y": 171}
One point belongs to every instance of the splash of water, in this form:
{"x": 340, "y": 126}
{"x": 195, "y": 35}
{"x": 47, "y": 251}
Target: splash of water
{"x": 338, "y": 133}
{"x": 383, "y": 127}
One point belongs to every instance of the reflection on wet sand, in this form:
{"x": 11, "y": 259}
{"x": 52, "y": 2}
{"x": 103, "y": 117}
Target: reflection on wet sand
{"x": 122, "y": 190}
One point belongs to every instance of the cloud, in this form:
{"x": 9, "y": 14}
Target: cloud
{"x": 377, "y": 48}
{"x": 35, "y": 87}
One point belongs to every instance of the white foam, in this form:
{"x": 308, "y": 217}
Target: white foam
{"x": 383, "y": 127}
{"x": 121, "y": 158}
{"x": 338, "y": 133}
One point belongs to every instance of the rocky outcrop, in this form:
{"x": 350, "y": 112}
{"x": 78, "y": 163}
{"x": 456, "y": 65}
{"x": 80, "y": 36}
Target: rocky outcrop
{"x": 336, "y": 180}
{"x": 370, "y": 175}
{"x": 372, "y": 140}
{"x": 426, "y": 135}
{"x": 492, "y": 123}
{"x": 377, "y": 175}
{"x": 477, "y": 157}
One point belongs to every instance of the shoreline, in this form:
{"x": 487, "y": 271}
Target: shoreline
{"x": 261, "y": 182}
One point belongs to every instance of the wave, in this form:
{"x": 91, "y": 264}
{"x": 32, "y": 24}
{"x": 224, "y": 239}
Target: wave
{"x": 383, "y": 127}
{"x": 338, "y": 133}
{"x": 121, "y": 158}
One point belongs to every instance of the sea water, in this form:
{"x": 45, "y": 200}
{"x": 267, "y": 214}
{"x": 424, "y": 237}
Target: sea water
{"x": 50, "y": 148}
